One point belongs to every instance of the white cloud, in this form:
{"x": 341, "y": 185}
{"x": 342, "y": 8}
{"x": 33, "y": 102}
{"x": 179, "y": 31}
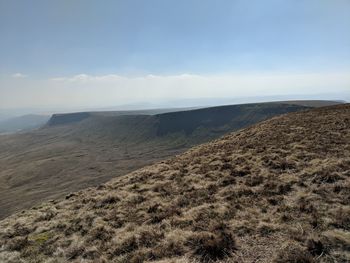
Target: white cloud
{"x": 84, "y": 90}
{"x": 18, "y": 75}
{"x": 191, "y": 85}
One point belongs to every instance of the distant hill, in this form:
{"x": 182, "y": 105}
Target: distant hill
{"x": 23, "y": 123}
{"x": 209, "y": 121}
{"x": 277, "y": 191}
{"x": 68, "y": 118}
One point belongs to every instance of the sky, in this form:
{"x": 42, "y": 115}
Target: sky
{"x": 83, "y": 53}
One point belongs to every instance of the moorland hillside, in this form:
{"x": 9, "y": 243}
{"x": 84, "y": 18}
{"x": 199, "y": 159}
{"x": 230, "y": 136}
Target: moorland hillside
{"x": 278, "y": 191}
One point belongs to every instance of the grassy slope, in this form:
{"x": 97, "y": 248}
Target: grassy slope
{"x": 278, "y": 191}
{"x": 54, "y": 161}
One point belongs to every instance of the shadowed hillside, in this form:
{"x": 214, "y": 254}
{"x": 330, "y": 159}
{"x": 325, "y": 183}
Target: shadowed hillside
{"x": 278, "y": 192}
{"x": 67, "y": 118}
{"x": 217, "y": 118}
{"x": 75, "y": 151}
{"x": 314, "y": 103}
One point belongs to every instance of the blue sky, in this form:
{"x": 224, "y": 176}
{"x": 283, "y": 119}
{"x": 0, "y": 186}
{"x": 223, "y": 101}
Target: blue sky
{"x": 45, "y": 40}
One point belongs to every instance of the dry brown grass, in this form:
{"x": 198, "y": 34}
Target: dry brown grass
{"x": 275, "y": 192}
